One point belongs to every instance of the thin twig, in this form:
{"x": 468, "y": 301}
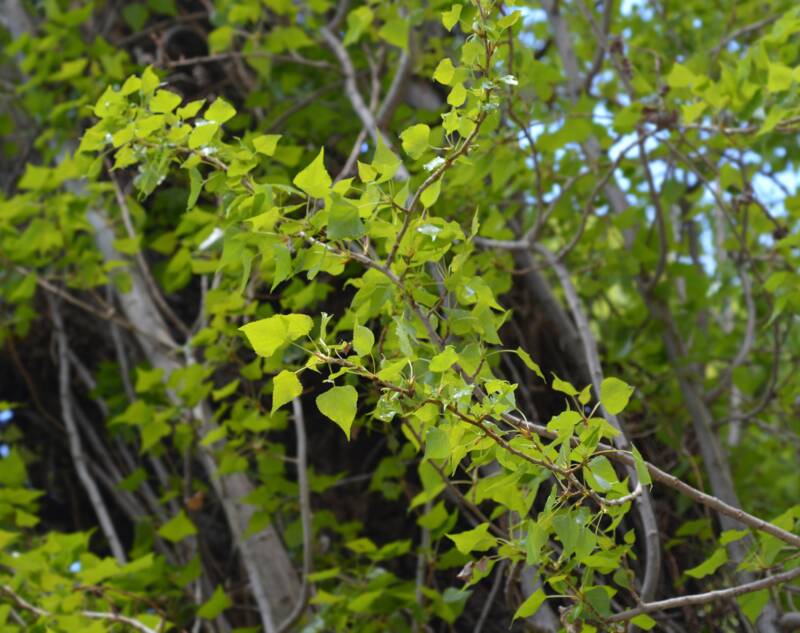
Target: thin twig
{"x": 75, "y": 445}
{"x": 305, "y": 517}
{"x": 92, "y": 615}
{"x": 705, "y": 598}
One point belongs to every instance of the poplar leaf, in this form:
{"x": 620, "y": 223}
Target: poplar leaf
{"x": 177, "y": 528}
{"x": 444, "y": 72}
{"x": 563, "y": 386}
{"x": 444, "y": 360}
{"x": 531, "y": 605}
{"x": 217, "y": 603}
{"x": 339, "y": 405}
{"x": 437, "y": 444}
{"x": 529, "y": 363}
{"x": 415, "y": 140}
{"x": 202, "y": 134}
{"x": 451, "y": 17}
{"x": 285, "y": 387}
{"x": 267, "y": 335}
{"x": 220, "y": 111}
{"x": 710, "y": 565}
{"x": 266, "y": 143}
{"x": 314, "y": 179}
{"x": 164, "y": 101}
{"x": 615, "y": 394}
{"x": 475, "y": 540}
{"x": 363, "y": 340}
{"x": 431, "y": 194}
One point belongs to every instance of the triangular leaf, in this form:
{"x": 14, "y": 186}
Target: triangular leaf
{"x": 339, "y": 404}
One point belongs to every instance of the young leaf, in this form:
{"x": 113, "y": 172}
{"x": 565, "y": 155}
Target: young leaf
{"x": 475, "y": 540}
{"x": 267, "y": 335}
{"x": 431, "y": 194}
{"x": 563, "y": 386}
{"x": 266, "y": 143}
{"x": 437, "y": 444}
{"x": 531, "y": 605}
{"x": 285, "y": 387}
{"x": 220, "y": 111}
{"x": 202, "y": 134}
{"x": 177, "y": 528}
{"x": 343, "y": 220}
{"x": 314, "y": 179}
{"x": 444, "y": 72}
{"x": 415, "y": 140}
{"x": 614, "y": 394}
{"x": 164, "y": 101}
{"x": 217, "y": 603}
{"x": 529, "y": 363}
{"x": 710, "y": 565}
{"x": 339, "y": 404}
{"x": 363, "y": 340}
{"x": 444, "y": 360}
{"x": 450, "y": 18}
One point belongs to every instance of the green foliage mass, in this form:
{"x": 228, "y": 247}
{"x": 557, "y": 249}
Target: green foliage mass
{"x": 236, "y": 269}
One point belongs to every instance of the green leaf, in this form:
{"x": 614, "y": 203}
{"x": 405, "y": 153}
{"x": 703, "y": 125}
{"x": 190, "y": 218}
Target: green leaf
{"x": 339, "y": 404}
{"x": 681, "y": 77}
{"x": 70, "y": 69}
{"x": 195, "y": 187}
{"x": 150, "y": 81}
{"x": 202, "y": 134}
{"x": 614, "y": 394}
{"x": 603, "y": 473}
{"x": 444, "y": 360}
{"x": 536, "y": 540}
{"x": 135, "y": 14}
{"x": 641, "y": 467}
{"x": 220, "y": 111}
{"x": 437, "y": 444}
{"x": 395, "y": 31}
{"x": 285, "y": 387}
{"x": 643, "y": 621}
{"x": 164, "y": 101}
{"x": 218, "y": 602}
{"x": 509, "y": 20}
{"x": 358, "y": 20}
{"x": 363, "y": 340}
{"x": 344, "y": 222}
{"x": 779, "y": 77}
{"x": 457, "y": 95}
{"x": 475, "y": 540}
{"x": 531, "y": 605}
{"x": 385, "y": 160}
{"x": 190, "y": 109}
{"x": 267, "y": 335}
{"x": 177, "y": 528}
{"x": 266, "y": 143}
{"x": 444, "y": 72}
{"x": 415, "y": 140}
{"x": 431, "y": 194}
{"x": 710, "y": 565}
{"x": 529, "y": 363}
{"x": 563, "y": 386}
{"x": 314, "y": 179}
{"x": 752, "y": 604}
{"x": 451, "y": 17}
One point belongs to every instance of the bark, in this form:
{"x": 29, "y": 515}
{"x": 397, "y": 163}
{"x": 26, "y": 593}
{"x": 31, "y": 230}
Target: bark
{"x": 273, "y": 579}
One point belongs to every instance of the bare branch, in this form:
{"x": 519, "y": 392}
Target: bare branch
{"x": 75, "y": 444}
{"x": 705, "y": 598}
{"x": 305, "y": 517}
{"x": 92, "y": 615}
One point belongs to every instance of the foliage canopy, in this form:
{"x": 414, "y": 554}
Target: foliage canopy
{"x": 395, "y": 316}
